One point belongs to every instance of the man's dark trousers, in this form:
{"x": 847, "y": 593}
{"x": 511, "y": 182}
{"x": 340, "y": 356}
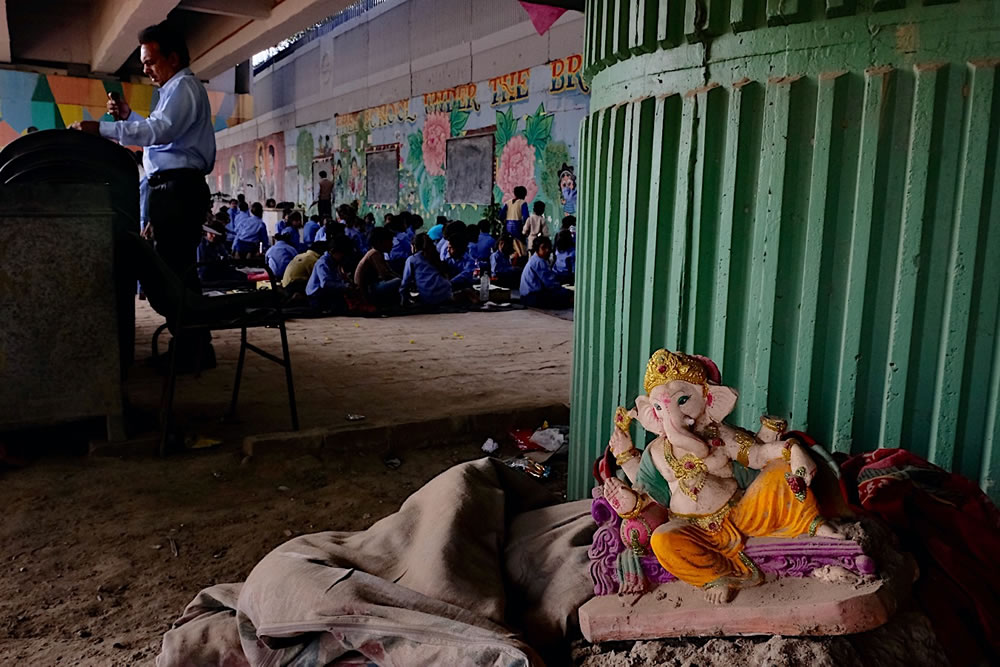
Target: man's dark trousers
{"x": 179, "y": 200}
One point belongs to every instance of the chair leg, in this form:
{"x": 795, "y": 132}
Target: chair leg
{"x": 167, "y": 418}
{"x": 288, "y": 376}
{"x": 239, "y": 373}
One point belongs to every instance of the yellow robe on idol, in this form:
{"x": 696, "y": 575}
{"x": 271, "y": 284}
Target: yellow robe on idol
{"x": 709, "y": 550}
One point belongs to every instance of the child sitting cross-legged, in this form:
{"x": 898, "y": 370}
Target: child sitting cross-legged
{"x": 329, "y": 284}
{"x": 504, "y": 273}
{"x": 565, "y": 266}
{"x": 539, "y": 286}
{"x": 280, "y": 255}
{"x": 458, "y": 261}
{"x": 373, "y": 276}
{"x": 424, "y": 273}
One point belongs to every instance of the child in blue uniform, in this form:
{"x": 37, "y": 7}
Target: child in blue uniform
{"x": 329, "y": 284}
{"x": 485, "y": 244}
{"x": 504, "y": 273}
{"x": 424, "y": 274}
{"x": 309, "y": 231}
{"x": 281, "y": 253}
{"x": 565, "y": 266}
{"x": 539, "y": 286}
{"x": 251, "y": 233}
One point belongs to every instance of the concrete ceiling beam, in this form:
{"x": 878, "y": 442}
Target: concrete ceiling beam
{"x": 251, "y": 9}
{"x": 115, "y": 26}
{"x": 241, "y": 38}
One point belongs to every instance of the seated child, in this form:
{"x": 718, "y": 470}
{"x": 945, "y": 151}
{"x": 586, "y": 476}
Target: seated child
{"x": 504, "y": 273}
{"x": 298, "y": 271}
{"x": 374, "y": 277}
{"x": 458, "y": 261}
{"x": 213, "y": 248}
{"x": 309, "y": 230}
{"x": 437, "y": 231}
{"x": 329, "y": 284}
{"x": 251, "y": 233}
{"x": 565, "y": 266}
{"x": 536, "y": 225}
{"x": 485, "y": 243}
{"x": 414, "y": 224}
{"x": 424, "y": 274}
{"x": 352, "y": 229}
{"x": 569, "y": 224}
{"x": 402, "y": 246}
{"x": 539, "y": 286}
{"x": 281, "y": 254}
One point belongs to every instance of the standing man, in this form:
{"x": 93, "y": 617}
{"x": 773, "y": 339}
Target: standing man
{"x": 179, "y": 142}
{"x": 324, "y": 198}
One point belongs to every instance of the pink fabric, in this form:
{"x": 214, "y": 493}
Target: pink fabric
{"x": 542, "y": 16}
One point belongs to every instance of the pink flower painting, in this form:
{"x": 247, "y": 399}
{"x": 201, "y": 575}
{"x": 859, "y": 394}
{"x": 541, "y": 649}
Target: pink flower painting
{"x": 517, "y": 167}
{"x": 437, "y": 129}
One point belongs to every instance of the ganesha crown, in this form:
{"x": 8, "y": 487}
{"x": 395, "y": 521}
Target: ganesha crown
{"x": 665, "y": 366}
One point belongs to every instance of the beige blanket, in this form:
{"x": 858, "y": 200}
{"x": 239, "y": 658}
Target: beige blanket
{"x": 479, "y": 567}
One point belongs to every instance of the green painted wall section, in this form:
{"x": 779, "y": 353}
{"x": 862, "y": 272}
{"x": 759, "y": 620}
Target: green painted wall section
{"x": 809, "y": 194}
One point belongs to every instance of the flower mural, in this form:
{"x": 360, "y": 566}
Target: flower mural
{"x": 535, "y": 139}
{"x": 437, "y": 129}
{"x": 517, "y": 167}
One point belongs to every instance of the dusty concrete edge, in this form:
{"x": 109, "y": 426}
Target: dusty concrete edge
{"x": 397, "y": 437}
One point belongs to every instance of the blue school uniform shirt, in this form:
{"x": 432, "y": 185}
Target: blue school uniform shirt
{"x": 402, "y": 247}
{"x": 309, "y": 231}
{"x": 483, "y": 247}
{"x": 210, "y": 251}
{"x": 179, "y": 133}
{"x": 251, "y": 229}
{"x": 565, "y": 261}
{"x": 279, "y": 256}
{"x": 442, "y": 247}
{"x": 326, "y": 277}
{"x": 359, "y": 239}
{"x": 462, "y": 270}
{"x": 537, "y": 276}
{"x": 234, "y": 222}
{"x": 419, "y": 273}
{"x": 500, "y": 264}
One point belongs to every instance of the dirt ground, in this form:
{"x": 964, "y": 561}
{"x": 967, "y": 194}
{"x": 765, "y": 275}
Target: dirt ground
{"x": 100, "y": 554}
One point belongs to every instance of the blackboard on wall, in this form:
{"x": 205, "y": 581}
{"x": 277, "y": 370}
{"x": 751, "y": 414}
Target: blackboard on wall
{"x": 382, "y": 176}
{"x": 469, "y": 170}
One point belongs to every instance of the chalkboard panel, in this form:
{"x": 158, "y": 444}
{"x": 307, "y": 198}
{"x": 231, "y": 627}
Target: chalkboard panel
{"x": 469, "y": 170}
{"x": 382, "y": 179}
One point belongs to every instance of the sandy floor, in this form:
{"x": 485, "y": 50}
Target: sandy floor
{"x": 99, "y": 555}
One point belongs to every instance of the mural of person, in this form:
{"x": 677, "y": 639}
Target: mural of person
{"x": 272, "y": 178}
{"x": 338, "y": 176}
{"x": 355, "y": 183}
{"x": 567, "y": 186}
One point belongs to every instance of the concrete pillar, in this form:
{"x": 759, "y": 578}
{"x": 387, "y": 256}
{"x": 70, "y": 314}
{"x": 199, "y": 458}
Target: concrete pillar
{"x": 807, "y": 193}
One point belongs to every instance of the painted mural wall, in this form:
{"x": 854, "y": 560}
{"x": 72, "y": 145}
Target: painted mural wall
{"x": 49, "y": 101}
{"x": 534, "y": 115}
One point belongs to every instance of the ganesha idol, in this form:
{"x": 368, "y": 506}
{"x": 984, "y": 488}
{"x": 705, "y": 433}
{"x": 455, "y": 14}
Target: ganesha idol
{"x": 702, "y": 489}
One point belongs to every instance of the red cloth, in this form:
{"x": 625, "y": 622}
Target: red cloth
{"x": 542, "y": 16}
{"x": 953, "y": 530}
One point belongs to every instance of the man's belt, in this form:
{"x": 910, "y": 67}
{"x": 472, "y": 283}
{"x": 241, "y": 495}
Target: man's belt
{"x": 167, "y": 175}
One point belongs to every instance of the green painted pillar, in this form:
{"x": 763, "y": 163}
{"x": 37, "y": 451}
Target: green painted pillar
{"x": 808, "y": 193}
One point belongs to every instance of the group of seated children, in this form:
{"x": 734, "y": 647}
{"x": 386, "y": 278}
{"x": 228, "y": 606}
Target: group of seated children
{"x": 348, "y": 264}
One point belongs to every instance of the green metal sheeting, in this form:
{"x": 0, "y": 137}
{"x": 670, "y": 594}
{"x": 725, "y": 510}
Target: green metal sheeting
{"x": 809, "y": 194}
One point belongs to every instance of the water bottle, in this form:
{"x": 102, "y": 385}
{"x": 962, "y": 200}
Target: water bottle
{"x": 484, "y": 285}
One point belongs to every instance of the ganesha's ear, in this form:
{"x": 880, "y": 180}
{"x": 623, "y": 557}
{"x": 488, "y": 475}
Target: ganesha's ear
{"x": 647, "y": 415}
{"x": 720, "y": 402}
